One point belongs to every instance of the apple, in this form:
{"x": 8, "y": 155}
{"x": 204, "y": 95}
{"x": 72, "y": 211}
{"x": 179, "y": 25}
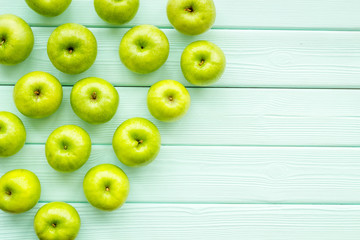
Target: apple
{"x": 57, "y": 220}
{"x": 136, "y": 142}
{"x": 106, "y": 187}
{"x": 168, "y": 100}
{"x": 68, "y": 148}
{"x": 202, "y": 63}
{"x": 38, "y": 94}
{"x": 48, "y": 8}
{"x": 19, "y": 191}
{"x": 94, "y": 100}
{"x": 16, "y": 39}
{"x": 191, "y": 17}
{"x": 144, "y": 49}
{"x": 72, "y": 48}
{"x": 12, "y": 134}
{"x": 116, "y": 12}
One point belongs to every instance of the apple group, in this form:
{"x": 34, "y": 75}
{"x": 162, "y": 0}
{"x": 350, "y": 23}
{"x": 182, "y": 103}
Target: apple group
{"x": 72, "y": 49}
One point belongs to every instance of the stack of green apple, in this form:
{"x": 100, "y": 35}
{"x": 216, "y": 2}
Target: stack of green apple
{"x": 72, "y": 49}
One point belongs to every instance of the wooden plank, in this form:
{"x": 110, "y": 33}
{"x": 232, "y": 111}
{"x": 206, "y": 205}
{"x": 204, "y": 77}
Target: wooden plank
{"x": 294, "y": 59}
{"x": 274, "y": 14}
{"x": 186, "y": 221}
{"x": 271, "y": 117}
{"x": 214, "y": 175}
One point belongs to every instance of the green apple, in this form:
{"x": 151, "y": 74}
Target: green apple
{"x": 68, "y": 148}
{"x": 191, "y": 17}
{"x": 72, "y": 48}
{"x": 136, "y": 142}
{"x": 94, "y": 100}
{"x": 168, "y": 100}
{"x": 12, "y": 134}
{"x": 38, "y": 94}
{"x": 202, "y": 63}
{"x": 116, "y": 11}
{"x": 144, "y": 49}
{"x": 57, "y": 221}
{"x": 16, "y": 39}
{"x": 49, "y": 8}
{"x": 19, "y": 191}
{"x": 106, "y": 187}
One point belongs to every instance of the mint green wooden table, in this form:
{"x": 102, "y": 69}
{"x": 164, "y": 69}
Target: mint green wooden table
{"x": 270, "y": 152}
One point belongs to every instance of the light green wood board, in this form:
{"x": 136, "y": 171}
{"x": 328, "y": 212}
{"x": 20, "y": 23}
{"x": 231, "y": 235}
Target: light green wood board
{"x": 226, "y": 116}
{"x": 252, "y": 14}
{"x": 208, "y": 174}
{"x": 205, "y": 222}
{"x": 281, "y": 59}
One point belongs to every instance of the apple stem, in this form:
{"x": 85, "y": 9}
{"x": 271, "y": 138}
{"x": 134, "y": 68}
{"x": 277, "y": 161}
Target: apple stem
{"x": 93, "y": 95}
{"x": 171, "y": 98}
{"x": 65, "y": 147}
{"x": 107, "y": 189}
{"x": 202, "y": 62}
{"x": 2, "y": 42}
{"x": 37, "y": 92}
{"x": 54, "y": 225}
{"x": 8, "y": 193}
{"x": 189, "y": 9}
{"x": 140, "y": 141}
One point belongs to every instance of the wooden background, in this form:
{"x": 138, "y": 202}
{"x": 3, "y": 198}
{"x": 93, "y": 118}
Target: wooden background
{"x": 270, "y": 152}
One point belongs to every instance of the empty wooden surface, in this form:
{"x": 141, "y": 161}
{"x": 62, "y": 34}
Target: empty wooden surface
{"x": 270, "y": 152}
{"x": 204, "y": 221}
{"x": 208, "y": 174}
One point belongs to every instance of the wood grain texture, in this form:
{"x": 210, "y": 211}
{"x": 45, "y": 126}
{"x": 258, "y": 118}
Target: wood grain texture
{"x": 281, "y": 59}
{"x": 213, "y": 175}
{"x": 274, "y": 14}
{"x": 206, "y": 222}
{"x": 286, "y": 117}
{"x": 235, "y": 146}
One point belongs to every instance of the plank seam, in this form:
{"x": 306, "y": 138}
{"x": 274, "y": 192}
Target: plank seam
{"x": 224, "y": 203}
{"x": 223, "y": 27}
{"x": 235, "y": 146}
{"x": 224, "y": 87}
